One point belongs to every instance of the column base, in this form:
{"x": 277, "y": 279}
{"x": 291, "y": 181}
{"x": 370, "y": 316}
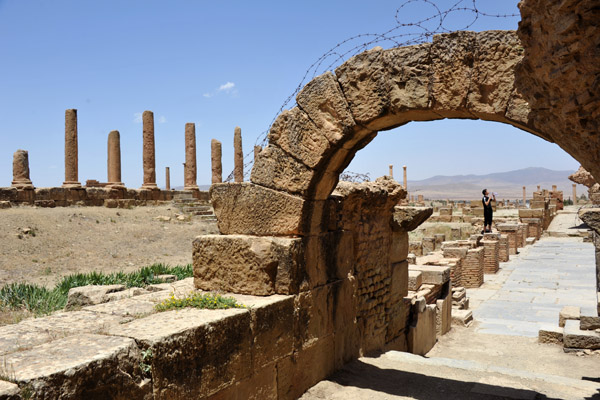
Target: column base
{"x": 149, "y": 186}
{"x": 115, "y": 185}
{"x": 195, "y": 187}
{"x": 22, "y": 184}
{"x": 71, "y": 184}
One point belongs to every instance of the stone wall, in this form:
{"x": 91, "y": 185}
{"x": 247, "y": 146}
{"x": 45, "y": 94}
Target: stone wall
{"x": 92, "y": 196}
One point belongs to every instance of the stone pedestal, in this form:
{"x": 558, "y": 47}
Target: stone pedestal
{"x": 114, "y": 160}
{"x": 21, "y": 178}
{"x": 148, "y": 151}
{"x": 190, "y": 172}
{"x": 238, "y": 169}
{"x": 71, "y": 158}
{"x": 215, "y": 159}
{"x": 257, "y": 150}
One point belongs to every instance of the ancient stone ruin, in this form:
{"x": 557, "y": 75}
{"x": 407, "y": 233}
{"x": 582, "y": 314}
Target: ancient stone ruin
{"x": 324, "y": 264}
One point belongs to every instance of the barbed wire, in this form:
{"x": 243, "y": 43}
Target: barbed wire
{"x": 399, "y": 35}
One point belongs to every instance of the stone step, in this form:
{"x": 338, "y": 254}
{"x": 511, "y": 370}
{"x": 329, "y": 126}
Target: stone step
{"x": 462, "y": 317}
{"x": 192, "y": 209}
{"x": 444, "y": 378}
{"x": 207, "y": 218}
{"x": 575, "y": 338}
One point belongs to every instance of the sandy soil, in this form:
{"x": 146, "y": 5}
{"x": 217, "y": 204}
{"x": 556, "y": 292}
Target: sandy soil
{"x": 63, "y": 241}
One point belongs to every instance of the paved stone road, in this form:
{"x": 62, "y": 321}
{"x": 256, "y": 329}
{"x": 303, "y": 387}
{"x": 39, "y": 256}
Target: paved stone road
{"x": 529, "y": 291}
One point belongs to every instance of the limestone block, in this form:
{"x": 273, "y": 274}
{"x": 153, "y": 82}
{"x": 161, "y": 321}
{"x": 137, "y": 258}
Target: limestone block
{"x": 433, "y": 274}
{"x": 443, "y": 319}
{"x": 591, "y": 216}
{"x": 411, "y": 258}
{"x": 276, "y": 169}
{"x": 297, "y": 373}
{"x": 399, "y": 281}
{"x": 415, "y": 279}
{"x": 322, "y": 99}
{"x": 90, "y": 295}
{"x": 328, "y": 256}
{"x": 195, "y": 352}
{"x": 296, "y": 134}
{"x": 101, "y": 367}
{"x": 550, "y": 334}
{"x": 415, "y": 248}
{"x": 261, "y": 385}
{"x": 74, "y": 322}
{"x": 124, "y": 307}
{"x": 409, "y": 218}
{"x": 589, "y": 322}
{"x": 574, "y": 337}
{"x": 247, "y": 264}
{"x": 568, "y": 312}
{"x": 8, "y": 194}
{"x": 462, "y": 317}
{"x": 345, "y": 327}
{"x": 248, "y": 209}
{"x": 9, "y": 391}
{"x": 314, "y": 316}
{"x": 399, "y": 246}
{"x": 422, "y": 332}
{"x": 583, "y": 177}
{"x": 271, "y": 320}
{"x": 428, "y": 245}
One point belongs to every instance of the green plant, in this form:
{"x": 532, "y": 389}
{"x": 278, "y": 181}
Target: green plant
{"x": 209, "y": 301}
{"x": 146, "y": 363}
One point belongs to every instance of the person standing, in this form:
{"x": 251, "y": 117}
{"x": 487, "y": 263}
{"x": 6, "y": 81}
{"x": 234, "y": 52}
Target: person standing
{"x": 488, "y": 212}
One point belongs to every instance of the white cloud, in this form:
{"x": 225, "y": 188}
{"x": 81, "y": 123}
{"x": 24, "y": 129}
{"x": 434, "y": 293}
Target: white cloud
{"x": 226, "y": 87}
{"x": 137, "y": 118}
{"x": 162, "y": 119}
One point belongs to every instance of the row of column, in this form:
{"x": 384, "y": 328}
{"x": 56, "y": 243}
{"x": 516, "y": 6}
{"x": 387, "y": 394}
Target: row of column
{"x": 21, "y": 177}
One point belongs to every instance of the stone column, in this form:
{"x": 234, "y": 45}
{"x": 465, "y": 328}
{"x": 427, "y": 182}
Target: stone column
{"x": 238, "y": 160}
{"x": 21, "y": 178}
{"x": 114, "y": 159}
{"x": 391, "y": 167}
{"x": 405, "y": 179}
{"x": 71, "y": 175}
{"x": 539, "y": 188}
{"x": 167, "y": 179}
{"x": 148, "y": 149}
{"x": 524, "y": 195}
{"x": 554, "y": 188}
{"x": 190, "y": 172}
{"x": 257, "y": 150}
{"x": 574, "y": 193}
{"x": 215, "y": 159}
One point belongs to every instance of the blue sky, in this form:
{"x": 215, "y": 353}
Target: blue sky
{"x": 218, "y": 64}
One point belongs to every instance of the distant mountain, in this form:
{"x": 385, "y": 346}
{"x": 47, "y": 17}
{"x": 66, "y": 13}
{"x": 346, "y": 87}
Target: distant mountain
{"x": 508, "y": 185}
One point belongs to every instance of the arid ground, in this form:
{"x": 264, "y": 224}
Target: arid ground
{"x": 40, "y": 245}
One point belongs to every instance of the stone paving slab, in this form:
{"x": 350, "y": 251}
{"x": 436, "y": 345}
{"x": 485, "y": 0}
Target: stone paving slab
{"x": 534, "y": 286}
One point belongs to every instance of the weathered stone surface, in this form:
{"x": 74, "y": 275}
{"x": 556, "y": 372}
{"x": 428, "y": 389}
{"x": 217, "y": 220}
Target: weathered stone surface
{"x": 124, "y": 307}
{"x": 409, "y": 218}
{"x": 314, "y": 320}
{"x": 583, "y": 177}
{"x": 297, "y": 135}
{"x": 399, "y": 246}
{"x": 462, "y": 317}
{"x": 195, "y": 352}
{"x": 190, "y": 170}
{"x": 247, "y": 264}
{"x": 550, "y": 334}
{"x": 80, "y": 367}
{"x": 262, "y": 385}
{"x": 249, "y": 209}
{"x": 345, "y": 327}
{"x": 443, "y": 320}
{"x": 276, "y": 169}
{"x": 148, "y": 150}
{"x": 422, "y": 332}
{"x": 325, "y": 104}
{"x": 589, "y": 322}
{"x": 71, "y": 157}
{"x": 74, "y": 322}
{"x": 573, "y": 337}
{"x": 568, "y": 312}
{"x": 238, "y": 155}
{"x": 558, "y": 74}
{"x": 90, "y": 295}
{"x": 21, "y": 170}
{"x": 9, "y": 391}
{"x": 432, "y": 274}
{"x": 215, "y": 158}
{"x": 415, "y": 279}
{"x": 297, "y": 373}
{"x": 399, "y": 281}
{"x": 591, "y": 216}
